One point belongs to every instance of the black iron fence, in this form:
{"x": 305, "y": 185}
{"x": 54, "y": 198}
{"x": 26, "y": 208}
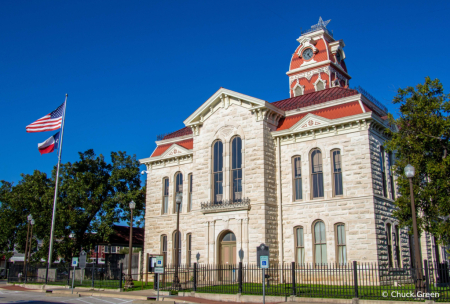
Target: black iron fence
{"x": 355, "y": 280}
{"x": 93, "y": 276}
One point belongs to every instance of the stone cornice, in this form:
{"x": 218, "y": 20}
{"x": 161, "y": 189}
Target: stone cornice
{"x": 224, "y": 98}
{"x": 331, "y": 125}
{"x": 166, "y": 161}
{"x": 318, "y": 64}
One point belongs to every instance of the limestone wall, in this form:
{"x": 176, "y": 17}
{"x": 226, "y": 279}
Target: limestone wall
{"x": 354, "y": 208}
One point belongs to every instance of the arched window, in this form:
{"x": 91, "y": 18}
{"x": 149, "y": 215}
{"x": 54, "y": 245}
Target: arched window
{"x": 164, "y": 248}
{"x": 299, "y": 245}
{"x": 217, "y": 186}
{"x": 190, "y": 192}
{"x": 236, "y": 168}
{"x": 298, "y": 90}
{"x": 397, "y": 247}
{"x": 174, "y": 249}
{"x": 383, "y": 170}
{"x": 320, "y": 243}
{"x": 178, "y": 190}
{"x": 297, "y": 178}
{"x": 188, "y": 249}
{"x": 165, "y": 202}
{"x": 316, "y": 174}
{"x": 320, "y": 85}
{"x": 341, "y": 250}
{"x": 389, "y": 243}
{"x": 337, "y": 172}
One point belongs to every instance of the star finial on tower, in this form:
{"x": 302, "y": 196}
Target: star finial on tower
{"x": 321, "y": 23}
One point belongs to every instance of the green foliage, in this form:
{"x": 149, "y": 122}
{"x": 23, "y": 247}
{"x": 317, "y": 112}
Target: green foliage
{"x": 30, "y": 196}
{"x": 423, "y": 141}
{"x": 125, "y": 250}
{"x": 93, "y": 195}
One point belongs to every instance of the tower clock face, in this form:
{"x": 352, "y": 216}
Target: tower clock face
{"x": 307, "y": 54}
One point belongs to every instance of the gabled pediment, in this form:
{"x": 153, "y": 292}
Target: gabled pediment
{"x": 310, "y": 121}
{"x": 175, "y": 150}
{"x": 223, "y": 98}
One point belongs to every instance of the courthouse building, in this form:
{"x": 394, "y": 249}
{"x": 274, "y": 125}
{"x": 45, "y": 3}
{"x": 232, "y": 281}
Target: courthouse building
{"x": 307, "y": 175}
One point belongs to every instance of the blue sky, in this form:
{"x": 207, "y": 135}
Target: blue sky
{"x": 136, "y": 69}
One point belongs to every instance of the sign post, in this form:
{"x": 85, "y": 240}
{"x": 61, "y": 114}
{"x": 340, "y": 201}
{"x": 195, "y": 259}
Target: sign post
{"x": 82, "y": 260}
{"x": 74, "y": 264}
{"x": 262, "y": 253}
{"x": 159, "y": 269}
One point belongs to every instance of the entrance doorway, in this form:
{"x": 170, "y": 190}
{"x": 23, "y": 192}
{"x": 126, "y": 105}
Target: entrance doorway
{"x": 228, "y": 249}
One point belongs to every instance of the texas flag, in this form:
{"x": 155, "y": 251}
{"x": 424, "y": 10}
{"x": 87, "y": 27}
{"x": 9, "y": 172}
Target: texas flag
{"x": 49, "y": 145}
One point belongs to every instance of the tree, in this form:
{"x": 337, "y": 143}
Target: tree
{"x": 93, "y": 195}
{"x": 423, "y": 141}
{"x": 32, "y": 195}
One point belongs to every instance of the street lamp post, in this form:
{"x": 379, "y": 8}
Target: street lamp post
{"x": 409, "y": 172}
{"x": 31, "y": 239}
{"x": 176, "y": 280}
{"x": 29, "y": 218}
{"x": 129, "y": 283}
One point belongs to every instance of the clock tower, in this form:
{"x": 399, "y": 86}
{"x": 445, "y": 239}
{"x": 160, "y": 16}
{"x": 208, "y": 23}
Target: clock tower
{"x": 318, "y": 63}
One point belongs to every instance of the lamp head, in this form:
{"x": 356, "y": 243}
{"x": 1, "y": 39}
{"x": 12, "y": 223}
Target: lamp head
{"x": 29, "y": 217}
{"x": 32, "y": 222}
{"x": 142, "y": 172}
{"x": 197, "y": 256}
{"x": 178, "y": 199}
{"x": 241, "y": 254}
{"x": 410, "y": 171}
{"x": 132, "y": 205}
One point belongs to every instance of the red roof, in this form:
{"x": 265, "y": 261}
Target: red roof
{"x": 314, "y": 98}
{"x": 322, "y": 55}
{"x": 342, "y": 110}
{"x": 188, "y": 144}
{"x": 178, "y": 133}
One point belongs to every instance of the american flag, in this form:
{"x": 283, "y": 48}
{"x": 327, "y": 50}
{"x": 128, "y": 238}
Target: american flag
{"x": 49, "y": 122}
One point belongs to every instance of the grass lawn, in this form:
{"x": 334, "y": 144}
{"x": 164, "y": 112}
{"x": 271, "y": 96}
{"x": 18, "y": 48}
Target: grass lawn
{"x": 326, "y": 291}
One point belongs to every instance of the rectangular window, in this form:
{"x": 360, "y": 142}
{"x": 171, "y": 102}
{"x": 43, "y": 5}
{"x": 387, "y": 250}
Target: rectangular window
{"x": 389, "y": 243}
{"x": 164, "y": 248}
{"x": 383, "y": 171}
{"x": 337, "y": 172}
{"x": 299, "y": 246}
{"x": 391, "y": 178}
{"x": 189, "y": 250}
{"x": 317, "y": 174}
{"x": 190, "y": 193}
{"x": 341, "y": 244}
{"x": 217, "y": 172}
{"x": 297, "y": 178}
{"x": 106, "y": 249}
{"x": 113, "y": 249}
{"x": 397, "y": 247}
{"x": 165, "y": 208}
{"x": 236, "y": 168}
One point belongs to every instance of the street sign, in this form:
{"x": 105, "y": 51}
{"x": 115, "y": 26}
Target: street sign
{"x": 264, "y": 261}
{"x": 74, "y": 262}
{"x": 159, "y": 264}
{"x": 261, "y": 250}
{"x": 83, "y": 256}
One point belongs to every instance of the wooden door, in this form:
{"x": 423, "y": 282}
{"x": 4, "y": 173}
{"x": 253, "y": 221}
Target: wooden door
{"x": 227, "y": 257}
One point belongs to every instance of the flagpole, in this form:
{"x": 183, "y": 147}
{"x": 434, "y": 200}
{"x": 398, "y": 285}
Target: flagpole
{"x": 50, "y": 250}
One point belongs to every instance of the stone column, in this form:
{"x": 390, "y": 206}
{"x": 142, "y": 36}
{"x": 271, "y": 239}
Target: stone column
{"x": 212, "y": 242}
{"x": 280, "y": 208}
{"x": 246, "y": 241}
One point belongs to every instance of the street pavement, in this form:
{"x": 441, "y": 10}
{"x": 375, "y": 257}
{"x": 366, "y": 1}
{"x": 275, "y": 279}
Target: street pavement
{"x": 15, "y": 296}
